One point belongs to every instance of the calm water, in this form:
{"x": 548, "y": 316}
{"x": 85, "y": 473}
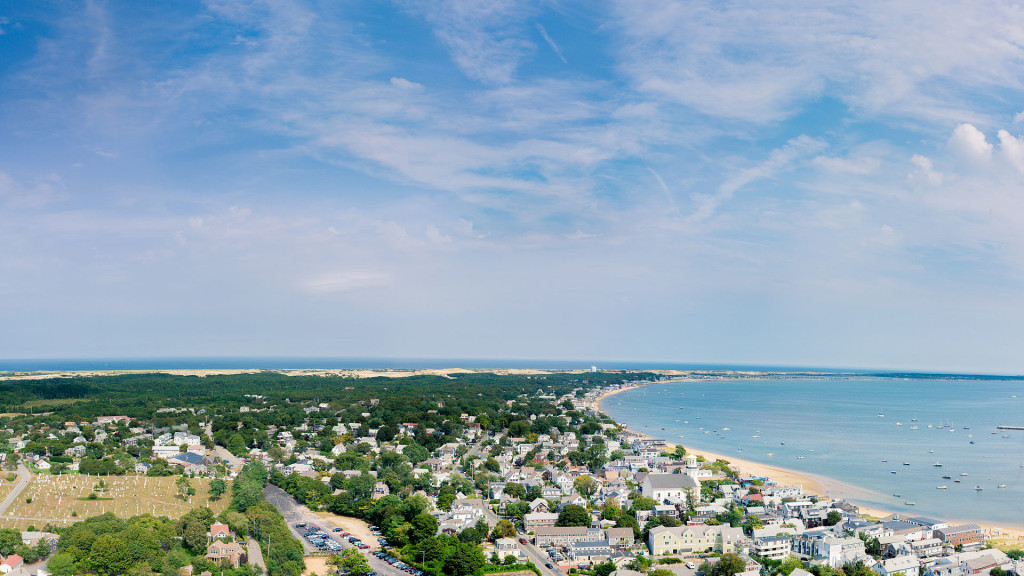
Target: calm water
{"x": 858, "y": 431}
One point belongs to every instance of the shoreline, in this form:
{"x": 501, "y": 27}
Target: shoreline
{"x": 813, "y": 484}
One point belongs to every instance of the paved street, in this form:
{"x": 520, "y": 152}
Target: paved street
{"x": 23, "y": 478}
{"x": 255, "y": 554}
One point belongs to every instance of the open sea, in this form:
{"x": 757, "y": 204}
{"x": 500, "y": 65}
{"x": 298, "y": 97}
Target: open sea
{"x": 881, "y": 435}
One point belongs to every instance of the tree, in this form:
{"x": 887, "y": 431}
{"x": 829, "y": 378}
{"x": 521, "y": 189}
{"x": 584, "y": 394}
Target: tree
{"x": 352, "y": 561}
{"x": 679, "y": 452}
{"x": 424, "y": 525}
{"x": 573, "y": 515}
{"x": 834, "y": 517}
{"x": 514, "y": 490}
{"x": 605, "y": 568}
{"x": 61, "y": 564}
{"x": 752, "y": 523}
{"x": 185, "y": 489}
{"x": 586, "y": 486}
{"x": 503, "y": 529}
{"x": 109, "y": 555}
{"x": 217, "y": 489}
{"x": 361, "y": 487}
{"x": 730, "y": 564}
{"x": 465, "y": 560}
{"x": 789, "y": 564}
{"x": 662, "y": 572}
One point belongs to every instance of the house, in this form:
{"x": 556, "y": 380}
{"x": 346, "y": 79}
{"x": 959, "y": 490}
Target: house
{"x": 509, "y": 547}
{"x": 229, "y": 551}
{"x": 673, "y": 487}
{"x": 590, "y": 552}
{"x": 12, "y": 562}
{"x": 535, "y": 520}
{"x": 380, "y": 490}
{"x": 218, "y": 530}
{"x": 907, "y": 564}
{"x": 620, "y": 537}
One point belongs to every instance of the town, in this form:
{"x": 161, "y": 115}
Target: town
{"x": 468, "y": 475}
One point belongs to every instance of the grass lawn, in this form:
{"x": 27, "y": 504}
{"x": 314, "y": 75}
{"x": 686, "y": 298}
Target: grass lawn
{"x": 54, "y": 498}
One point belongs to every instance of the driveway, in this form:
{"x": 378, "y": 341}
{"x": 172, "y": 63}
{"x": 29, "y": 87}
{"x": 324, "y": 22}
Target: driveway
{"x": 23, "y": 479}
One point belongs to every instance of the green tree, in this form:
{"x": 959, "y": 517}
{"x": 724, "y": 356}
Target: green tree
{"x": 217, "y": 489}
{"x": 424, "y": 525}
{"x": 361, "y": 487}
{"x": 789, "y": 564}
{"x": 352, "y": 561}
{"x": 834, "y": 517}
{"x": 573, "y": 515}
{"x": 515, "y": 490}
{"x": 586, "y": 486}
{"x": 465, "y": 559}
{"x": 61, "y": 564}
{"x": 605, "y": 568}
{"x": 730, "y": 564}
{"x": 109, "y": 556}
{"x": 503, "y": 529}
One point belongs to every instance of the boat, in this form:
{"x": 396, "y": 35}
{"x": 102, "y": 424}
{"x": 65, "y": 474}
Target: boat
{"x": 946, "y": 477}
{"x": 972, "y": 441}
{"x": 941, "y": 487}
{"x": 799, "y": 457}
{"x": 913, "y": 419}
{"x": 914, "y": 428}
{"x": 963, "y": 473}
{"x": 892, "y": 471}
{"x": 957, "y": 480}
{"x": 898, "y": 495}
{"x": 906, "y": 463}
{"x": 909, "y": 503}
{"x": 725, "y": 429}
{"x": 937, "y": 465}
{"x": 1001, "y": 486}
{"x": 884, "y": 460}
{"x": 755, "y": 436}
{"x": 899, "y": 423}
{"x": 978, "y": 488}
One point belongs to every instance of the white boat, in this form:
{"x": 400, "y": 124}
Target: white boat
{"x": 1001, "y": 486}
{"x": 914, "y": 428}
{"x": 799, "y": 457}
{"x": 941, "y": 487}
{"x": 963, "y": 473}
{"x": 978, "y": 488}
{"x": 909, "y": 503}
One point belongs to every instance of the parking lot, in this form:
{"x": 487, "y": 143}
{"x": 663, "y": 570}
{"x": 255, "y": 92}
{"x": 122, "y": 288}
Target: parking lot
{"x": 326, "y": 540}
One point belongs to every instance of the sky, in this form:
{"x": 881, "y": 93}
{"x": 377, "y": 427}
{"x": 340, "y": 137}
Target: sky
{"x": 836, "y": 184}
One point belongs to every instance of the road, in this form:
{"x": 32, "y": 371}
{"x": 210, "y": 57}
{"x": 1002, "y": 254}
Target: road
{"x": 23, "y": 478}
{"x": 222, "y": 452}
{"x": 540, "y": 558}
{"x": 255, "y": 554}
{"x": 294, "y": 512}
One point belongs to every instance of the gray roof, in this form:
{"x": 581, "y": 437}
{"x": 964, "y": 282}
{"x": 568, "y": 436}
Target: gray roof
{"x": 671, "y": 481}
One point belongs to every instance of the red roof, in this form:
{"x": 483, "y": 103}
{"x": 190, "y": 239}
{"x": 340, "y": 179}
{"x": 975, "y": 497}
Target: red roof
{"x": 13, "y": 560}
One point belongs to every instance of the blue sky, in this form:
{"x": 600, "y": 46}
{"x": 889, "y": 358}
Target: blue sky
{"x": 700, "y": 181}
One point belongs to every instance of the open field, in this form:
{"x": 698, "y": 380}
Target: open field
{"x": 54, "y": 498}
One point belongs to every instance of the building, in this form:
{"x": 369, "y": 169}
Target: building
{"x": 686, "y": 539}
{"x": 672, "y": 487}
{"x": 561, "y": 536}
{"x": 12, "y": 562}
{"x": 906, "y": 564}
{"x": 962, "y": 535}
{"x": 226, "y": 551}
{"x": 773, "y": 547}
{"x": 535, "y": 520}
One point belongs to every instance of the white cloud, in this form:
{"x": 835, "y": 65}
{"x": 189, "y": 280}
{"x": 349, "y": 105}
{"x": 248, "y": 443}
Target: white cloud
{"x": 484, "y": 37}
{"x": 551, "y": 43}
{"x": 924, "y": 171}
{"x": 970, "y": 144}
{"x": 345, "y": 281}
{"x": 405, "y": 84}
{"x": 1012, "y": 149}
{"x": 909, "y": 60}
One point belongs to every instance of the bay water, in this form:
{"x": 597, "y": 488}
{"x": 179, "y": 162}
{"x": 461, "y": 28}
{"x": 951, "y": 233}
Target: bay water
{"x": 882, "y": 435}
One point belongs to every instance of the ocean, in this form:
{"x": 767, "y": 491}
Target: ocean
{"x": 882, "y": 435}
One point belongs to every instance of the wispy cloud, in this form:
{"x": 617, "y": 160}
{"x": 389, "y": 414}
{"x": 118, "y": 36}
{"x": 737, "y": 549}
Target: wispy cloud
{"x": 551, "y": 43}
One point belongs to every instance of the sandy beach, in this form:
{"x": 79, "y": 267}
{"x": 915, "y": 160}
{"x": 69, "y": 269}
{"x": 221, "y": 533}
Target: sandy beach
{"x": 816, "y": 485}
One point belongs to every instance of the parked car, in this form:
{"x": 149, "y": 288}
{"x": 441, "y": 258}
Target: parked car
{"x": 336, "y": 530}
